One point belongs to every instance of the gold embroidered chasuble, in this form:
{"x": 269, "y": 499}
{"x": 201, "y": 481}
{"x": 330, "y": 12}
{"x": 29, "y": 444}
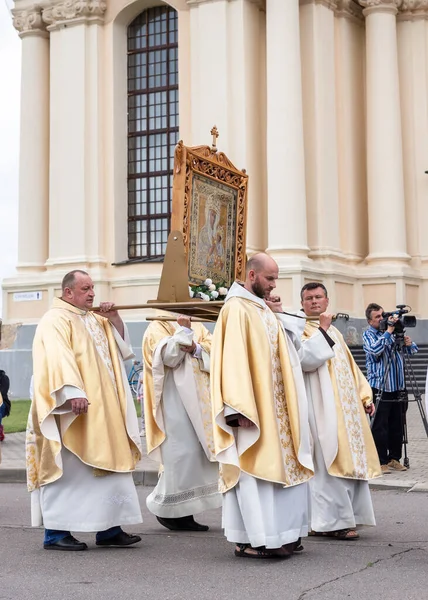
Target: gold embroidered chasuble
{"x": 356, "y": 456}
{"x": 157, "y": 333}
{"x": 76, "y": 348}
{"x": 253, "y": 374}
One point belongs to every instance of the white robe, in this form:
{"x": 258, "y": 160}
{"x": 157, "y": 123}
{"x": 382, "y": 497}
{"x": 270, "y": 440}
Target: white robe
{"x": 188, "y": 482}
{"x": 79, "y": 501}
{"x": 336, "y": 502}
{"x": 258, "y": 512}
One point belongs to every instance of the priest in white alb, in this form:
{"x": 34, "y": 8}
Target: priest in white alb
{"x": 345, "y": 456}
{"x": 179, "y": 430}
{"x": 82, "y": 439}
{"x": 260, "y": 413}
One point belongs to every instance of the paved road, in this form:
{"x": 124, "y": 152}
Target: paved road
{"x": 389, "y": 562}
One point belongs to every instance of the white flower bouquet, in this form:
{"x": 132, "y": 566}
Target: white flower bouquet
{"x": 208, "y": 291}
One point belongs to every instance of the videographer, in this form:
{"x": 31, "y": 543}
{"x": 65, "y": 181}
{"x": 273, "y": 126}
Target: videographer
{"x": 385, "y": 372}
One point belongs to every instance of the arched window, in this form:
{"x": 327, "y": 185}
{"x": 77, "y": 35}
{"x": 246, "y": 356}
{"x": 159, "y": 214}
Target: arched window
{"x": 152, "y": 129}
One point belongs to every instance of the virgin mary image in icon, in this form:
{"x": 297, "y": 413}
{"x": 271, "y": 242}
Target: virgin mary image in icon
{"x": 211, "y": 243}
{"x": 212, "y": 232}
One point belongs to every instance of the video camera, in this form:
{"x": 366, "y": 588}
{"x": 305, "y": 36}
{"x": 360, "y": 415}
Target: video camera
{"x": 401, "y": 323}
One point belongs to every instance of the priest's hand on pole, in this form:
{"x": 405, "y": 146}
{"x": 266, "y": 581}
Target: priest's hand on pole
{"x": 274, "y": 303}
{"x": 79, "y": 406}
{"x": 108, "y": 311}
{"x": 184, "y": 321}
{"x": 325, "y": 320}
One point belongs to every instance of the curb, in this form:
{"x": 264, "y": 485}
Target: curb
{"x": 398, "y": 485}
{"x": 9, "y": 475}
{"x": 149, "y": 478}
{"x": 419, "y": 487}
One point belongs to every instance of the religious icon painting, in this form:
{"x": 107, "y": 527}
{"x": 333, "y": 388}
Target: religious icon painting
{"x": 209, "y": 207}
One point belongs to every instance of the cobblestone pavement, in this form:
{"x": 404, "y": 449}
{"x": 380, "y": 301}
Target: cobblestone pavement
{"x": 12, "y": 467}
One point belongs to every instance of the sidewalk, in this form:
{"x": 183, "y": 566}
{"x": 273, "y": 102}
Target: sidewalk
{"x": 12, "y": 467}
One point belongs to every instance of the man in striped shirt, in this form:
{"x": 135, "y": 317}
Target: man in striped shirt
{"x": 385, "y": 371}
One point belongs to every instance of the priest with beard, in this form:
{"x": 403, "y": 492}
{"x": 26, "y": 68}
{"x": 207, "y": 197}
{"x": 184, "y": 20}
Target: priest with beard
{"x": 260, "y": 414}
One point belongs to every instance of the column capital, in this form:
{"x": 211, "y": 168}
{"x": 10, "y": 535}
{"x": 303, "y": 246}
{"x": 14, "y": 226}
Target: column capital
{"x": 380, "y": 6}
{"x": 350, "y": 9}
{"x": 29, "y": 21}
{"x": 72, "y": 12}
{"x": 413, "y": 10}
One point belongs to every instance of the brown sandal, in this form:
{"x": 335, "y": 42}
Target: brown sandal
{"x": 339, "y": 534}
{"x": 260, "y": 552}
{"x": 298, "y": 546}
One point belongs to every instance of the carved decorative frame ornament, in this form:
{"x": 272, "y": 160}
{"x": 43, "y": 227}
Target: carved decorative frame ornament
{"x": 209, "y": 207}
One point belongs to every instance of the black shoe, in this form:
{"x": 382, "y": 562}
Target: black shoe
{"x": 120, "y": 539}
{"x": 67, "y": 543}
{"x": 182, "y": 524}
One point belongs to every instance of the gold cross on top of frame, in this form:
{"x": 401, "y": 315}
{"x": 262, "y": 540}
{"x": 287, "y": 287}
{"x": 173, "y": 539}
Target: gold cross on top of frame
{"x": 214, "y": 133}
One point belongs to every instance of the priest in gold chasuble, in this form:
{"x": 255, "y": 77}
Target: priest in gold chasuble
{"x": 345, "y": 456}
{"x": 260, "y": 413}
{"x": 179, "y": 428}
{"x": 82, "y": 438}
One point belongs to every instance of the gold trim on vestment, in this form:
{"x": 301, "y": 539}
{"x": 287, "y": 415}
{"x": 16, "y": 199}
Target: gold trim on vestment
{"x": 357, "y": 456}
{"x": 65, "y": 354}
{"x": 251, "y": 372}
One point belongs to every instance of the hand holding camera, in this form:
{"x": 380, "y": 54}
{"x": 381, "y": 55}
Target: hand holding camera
{"x": 394, "y": 322}
{"x": 391, "y": 323}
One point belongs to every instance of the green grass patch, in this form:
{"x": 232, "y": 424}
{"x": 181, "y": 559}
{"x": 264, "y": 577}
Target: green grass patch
{"x": 17, "y": 420}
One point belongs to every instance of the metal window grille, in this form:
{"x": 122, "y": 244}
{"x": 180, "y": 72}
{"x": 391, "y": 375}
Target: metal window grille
{"x": 152, "y": 129}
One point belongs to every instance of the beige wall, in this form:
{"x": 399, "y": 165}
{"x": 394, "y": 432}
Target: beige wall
{"x": 227, "y": 67}
{"x": 381, "y": 293}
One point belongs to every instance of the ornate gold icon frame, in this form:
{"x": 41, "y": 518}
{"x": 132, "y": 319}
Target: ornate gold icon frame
{"x": 209, "y": 207}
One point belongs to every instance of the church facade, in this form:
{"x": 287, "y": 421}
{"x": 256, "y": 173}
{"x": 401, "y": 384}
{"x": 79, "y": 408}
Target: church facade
{"x": 323, "y": 102}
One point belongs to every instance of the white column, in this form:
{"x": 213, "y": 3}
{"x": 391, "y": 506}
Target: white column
{"x": 351, "y": 126}
{"x": 76, "y": 142}
{"x": 209, "y": 71}
{"x": 33, "y": 234}
{"x": 317, "y": 30}
{"x": 412, "y": 30}
{"x": 247, "y": 109}
{"x": 287, "y": 228}
{"x": 228, "y": 83}
{"x": 387, "y": 219}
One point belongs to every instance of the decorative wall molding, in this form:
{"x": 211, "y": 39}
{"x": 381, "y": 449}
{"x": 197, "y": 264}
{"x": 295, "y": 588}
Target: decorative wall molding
{"x": 376, "y": 6}
{"x": 29, "y": 21}
{"x": 69, "y": 12}
{"x": 331, "y": 4}
{"x": 413, "y": 10}
{"x": 350, "y": 9}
